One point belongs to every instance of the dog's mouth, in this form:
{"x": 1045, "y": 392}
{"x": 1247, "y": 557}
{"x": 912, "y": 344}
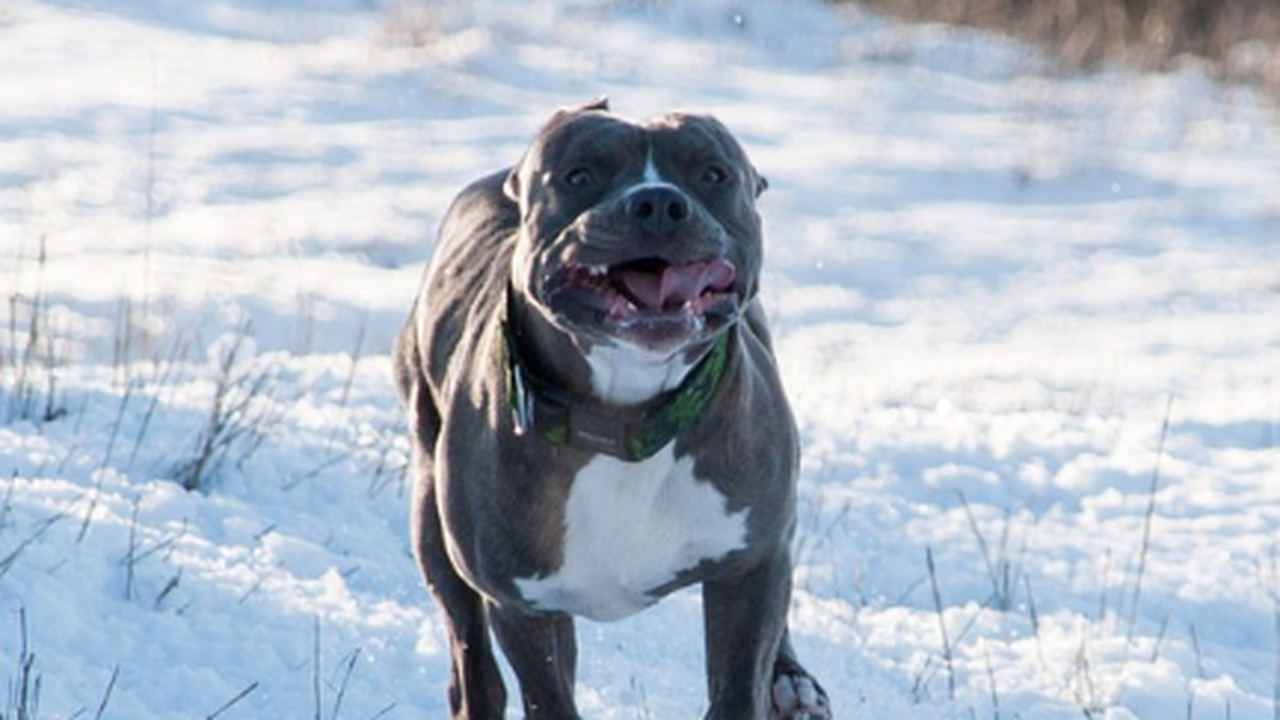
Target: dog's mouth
{"x": 653, "y": 286}
{"x": 650, "y": 301}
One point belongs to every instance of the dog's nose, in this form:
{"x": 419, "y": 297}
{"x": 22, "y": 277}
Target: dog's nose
{"x": 659, "y": 210}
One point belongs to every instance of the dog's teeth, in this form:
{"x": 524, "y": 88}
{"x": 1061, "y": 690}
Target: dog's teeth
{"x": 597, "y": 271}
{"x": 618, "y": 307}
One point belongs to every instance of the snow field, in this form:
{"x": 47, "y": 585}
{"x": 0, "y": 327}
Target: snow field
{"x": 991, "y": 288}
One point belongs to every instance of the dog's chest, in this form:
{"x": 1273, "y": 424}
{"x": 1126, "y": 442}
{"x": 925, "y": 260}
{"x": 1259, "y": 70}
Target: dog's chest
{"x": 631, "y": 528}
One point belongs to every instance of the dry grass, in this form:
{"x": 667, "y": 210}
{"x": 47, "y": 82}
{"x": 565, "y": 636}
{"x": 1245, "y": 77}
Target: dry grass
{"x": 1240, "y": 39}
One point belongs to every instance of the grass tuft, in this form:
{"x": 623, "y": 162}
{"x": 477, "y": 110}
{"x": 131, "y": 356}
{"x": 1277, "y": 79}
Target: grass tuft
{"x": 233, "y": 701}
{"x": 1147, "y": 522}
{"x": 35, "y": 354}
{"x": 24, "y": 689}
{"x": 106, "y": 695}
{"x": 240, "y": 413}
{"x": 947, "y": 655}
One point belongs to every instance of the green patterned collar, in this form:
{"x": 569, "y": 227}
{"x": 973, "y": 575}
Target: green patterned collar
{"x": 631, "y": 433}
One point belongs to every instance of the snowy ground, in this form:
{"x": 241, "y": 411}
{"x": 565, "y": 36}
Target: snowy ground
{"x": 992, "y": 287}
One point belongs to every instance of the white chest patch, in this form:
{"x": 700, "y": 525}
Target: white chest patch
{"x": 631, "y": 528}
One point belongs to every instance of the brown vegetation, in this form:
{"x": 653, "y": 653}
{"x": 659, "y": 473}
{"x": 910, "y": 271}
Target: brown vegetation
{"x": 1240, "y": 39}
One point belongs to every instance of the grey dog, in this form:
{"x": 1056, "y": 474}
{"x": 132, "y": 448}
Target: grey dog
{"x": 597, "y": 418}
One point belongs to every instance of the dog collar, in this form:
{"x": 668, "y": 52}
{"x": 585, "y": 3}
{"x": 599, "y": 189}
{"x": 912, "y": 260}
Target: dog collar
{"x": 632, "y": 433}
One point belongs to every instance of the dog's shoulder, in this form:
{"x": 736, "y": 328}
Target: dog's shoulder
{"x": 481, "y": 211}
{"x": 465, "y": 279}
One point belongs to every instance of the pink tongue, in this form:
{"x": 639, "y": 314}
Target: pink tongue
{"x": 675, "y": 284}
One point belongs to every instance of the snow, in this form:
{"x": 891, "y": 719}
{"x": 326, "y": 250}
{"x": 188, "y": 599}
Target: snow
{"x": 991, "y": 285}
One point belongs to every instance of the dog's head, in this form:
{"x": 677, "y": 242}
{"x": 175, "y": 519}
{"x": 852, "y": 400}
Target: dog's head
{"x": 642, "y": 234}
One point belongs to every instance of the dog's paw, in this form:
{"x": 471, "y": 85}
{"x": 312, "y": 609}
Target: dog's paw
{"x": 797, "y": 696}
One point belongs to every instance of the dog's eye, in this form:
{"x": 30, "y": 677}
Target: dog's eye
{"x": 578, "y": 177}
{"x": 714, "y": 175}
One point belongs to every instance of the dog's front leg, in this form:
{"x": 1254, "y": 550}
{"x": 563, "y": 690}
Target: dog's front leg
{"x": 542, "y": 649}
{"x": 476, "y": 691}
{"x": 745, "y": 618}
{"x": 752, "y": 671}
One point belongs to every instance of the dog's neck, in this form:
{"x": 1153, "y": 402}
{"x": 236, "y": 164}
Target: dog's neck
{"x": 541, "y": 406}
{"x": 545, "y": 350}
{"x": 618, "y": 375}
{"x": 630, "y": 376}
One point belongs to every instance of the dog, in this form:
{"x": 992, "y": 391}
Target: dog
{"x": 596, "y": 415}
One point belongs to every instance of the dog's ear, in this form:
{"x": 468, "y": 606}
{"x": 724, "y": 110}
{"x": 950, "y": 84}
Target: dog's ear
{"x": 511, "y": 187}
{"x": 600, "y": 104}
{"x": 564, "y": 114}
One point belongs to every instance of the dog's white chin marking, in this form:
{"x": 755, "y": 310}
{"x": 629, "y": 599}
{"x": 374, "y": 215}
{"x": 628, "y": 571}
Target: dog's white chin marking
{"x": 623, "y": 375}
{"x": 631, "y": 528}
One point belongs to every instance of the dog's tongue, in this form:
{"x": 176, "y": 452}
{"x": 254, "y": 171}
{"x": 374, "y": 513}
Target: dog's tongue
{"x": 674, "y": 285}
